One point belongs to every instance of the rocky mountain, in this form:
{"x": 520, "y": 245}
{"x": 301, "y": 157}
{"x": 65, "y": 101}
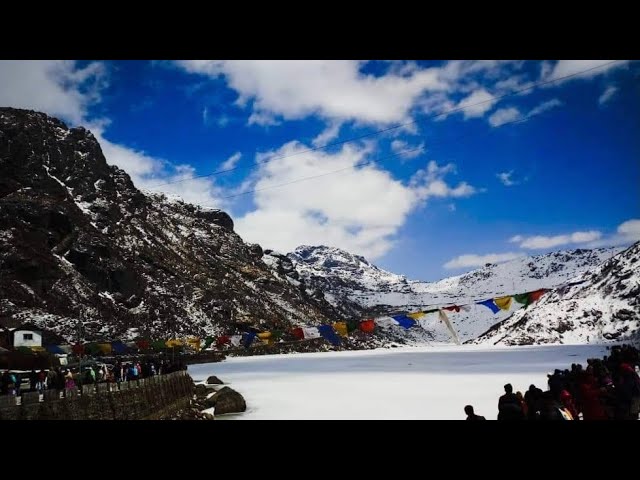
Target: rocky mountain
{"x": 602, "y": 304}
{"x": 79, "y": 241}
{"x": 355, "y": 287}
{"x": 81, "y": 246}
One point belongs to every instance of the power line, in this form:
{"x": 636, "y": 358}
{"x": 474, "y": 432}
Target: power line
{"x": 366, "y": 162}
{"x": 395, "y": 127}
{"x": 359, "y": 164}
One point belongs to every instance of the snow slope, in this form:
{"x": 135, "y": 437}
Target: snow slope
{"x": 405, "y": 383}
{"x": 358, "y": 288}
{"x": 604, "y": 306}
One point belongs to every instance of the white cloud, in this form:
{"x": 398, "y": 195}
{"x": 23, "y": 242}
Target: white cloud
{"x": 568, "y": 67}
{"x": 147, "y": 172}
{"x": 328, "y": 134}
{"x": 477, "y": 104}
{"x": 516, "y": 239}
{"x": 57, "y": 87}
{"x": 334, "y": 89}
{"x": 608, "y": 94}
{"x": 430, "y": 182}
{"x": 412, "y": 151}
{"x": 338, "y": 90}
{"x": 505, "y": 178}
{"x": 544, "y": 106}
{"x": 359, "y": 210}
{"x": 504, "y": 115}
{"x": 541, "y": 241}
{"x": 263, "y": 118}
{"x": 473, "y": 260}
{"x": 231, "y": 162}
{"x": 630, "y": 228}
{"x": 62, "y": 89}
{"x": 626, "y": 233}
{"x": 512, "y": 114}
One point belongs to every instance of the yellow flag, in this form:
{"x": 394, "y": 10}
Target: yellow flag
{"x": 504, "y": 303}
{"x": 416, "y": 315}
{"x": 264, "y": 335}
{"x": 194, "y": 342}
{"x": 341, "y": 328}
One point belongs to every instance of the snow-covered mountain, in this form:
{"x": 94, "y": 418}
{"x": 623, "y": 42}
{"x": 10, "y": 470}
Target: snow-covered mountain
{"x": 76, "y": 237}
{"x": 355, "y": 287}
{"x": 604, "y": 304}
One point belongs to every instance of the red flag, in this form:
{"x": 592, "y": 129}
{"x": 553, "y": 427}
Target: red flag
{"x": 367, "y": 326}
{"x": 533, "y": 296}
{"x": 452, "y": 308}
{"x": 298, "y": 333}
{"x": 223, "y": 340}
{"x": 78, "y": 349}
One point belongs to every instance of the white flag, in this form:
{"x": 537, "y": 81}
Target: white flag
{"x": 310, "y": 332}
{"x": 445, "y": 319}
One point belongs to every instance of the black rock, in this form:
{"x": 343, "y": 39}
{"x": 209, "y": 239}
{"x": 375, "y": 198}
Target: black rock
{"x": 226, "y": 400}
{"x": 213, "y": 380}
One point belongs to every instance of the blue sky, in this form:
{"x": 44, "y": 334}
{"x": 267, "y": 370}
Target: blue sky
{"x": 554, "y": 167}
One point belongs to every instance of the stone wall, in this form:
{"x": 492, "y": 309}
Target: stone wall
{"x": 144, "y": 399}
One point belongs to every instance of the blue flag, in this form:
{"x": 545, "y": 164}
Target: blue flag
{"x": 491, "y": 305}
{"x": 404, "y": 321}
{"x": 247, "y": 339}
{"x": 329, "y": 334}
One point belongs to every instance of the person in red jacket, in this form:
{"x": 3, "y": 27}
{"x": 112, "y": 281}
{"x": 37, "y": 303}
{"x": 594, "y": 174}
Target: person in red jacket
{"x": 592, "y": 408}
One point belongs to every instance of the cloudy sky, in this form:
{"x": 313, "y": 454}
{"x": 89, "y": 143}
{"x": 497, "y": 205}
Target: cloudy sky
{"x": 426, "y": 168}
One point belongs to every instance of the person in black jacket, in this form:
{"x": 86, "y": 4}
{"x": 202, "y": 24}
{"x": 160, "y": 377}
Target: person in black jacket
{"x": 509, "y": 407}
{"x": 472, "y": 416}
{"x": 533, "y": 399}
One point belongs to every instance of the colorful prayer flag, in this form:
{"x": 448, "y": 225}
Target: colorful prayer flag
{"x": 341, "y": 328}
{"x": 367, "y": 326}
{"x": 490, "y": 304}
{"x": 310, "y": 332}
{"x": 504, "y": 303}
{"x": 443, "y": 317}
{"x": 404, "y": 321}
{"x": 329, "y": 334}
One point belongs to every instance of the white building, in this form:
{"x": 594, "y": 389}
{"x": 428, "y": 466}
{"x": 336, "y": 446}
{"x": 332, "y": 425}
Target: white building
{"x": 26, "y": 336}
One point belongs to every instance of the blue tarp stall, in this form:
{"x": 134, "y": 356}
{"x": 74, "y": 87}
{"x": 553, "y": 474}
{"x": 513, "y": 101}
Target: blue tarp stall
{"x": 329, "y": 334}
{"x": 119, "y": 348}
{"x": 54, "y": 349}
{"x": 405, "y": 321}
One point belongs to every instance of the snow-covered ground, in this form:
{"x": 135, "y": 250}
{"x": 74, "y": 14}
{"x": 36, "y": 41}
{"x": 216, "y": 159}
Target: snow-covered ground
{"x": 403, "y": 383}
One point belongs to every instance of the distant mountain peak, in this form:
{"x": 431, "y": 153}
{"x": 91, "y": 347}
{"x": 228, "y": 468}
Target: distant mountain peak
{"x": 356, "y": 287}
{"x": 602, "y": 303}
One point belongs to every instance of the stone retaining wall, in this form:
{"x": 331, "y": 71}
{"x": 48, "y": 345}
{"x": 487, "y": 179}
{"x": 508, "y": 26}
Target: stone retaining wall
{"x": 143, "y": 399}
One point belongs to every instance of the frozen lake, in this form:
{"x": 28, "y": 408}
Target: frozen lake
{"x": 400, "y": 383}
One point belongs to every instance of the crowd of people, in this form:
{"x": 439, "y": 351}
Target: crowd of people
{"x": 607, "y": 389}
{"x": 59, "y": 378}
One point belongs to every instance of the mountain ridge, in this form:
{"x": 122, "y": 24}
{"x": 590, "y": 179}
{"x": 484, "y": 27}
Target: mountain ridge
{"x": 77, "y": 239}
